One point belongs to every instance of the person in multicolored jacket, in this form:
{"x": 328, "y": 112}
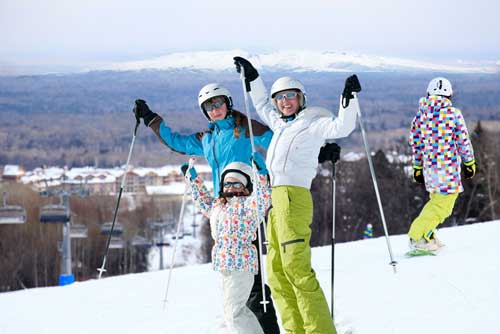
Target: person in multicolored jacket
{"x": 227, "y": 140}
{"x": 299, "y": 133}
{"x": 234, "y": 225}
{"x": 440, "y": 144}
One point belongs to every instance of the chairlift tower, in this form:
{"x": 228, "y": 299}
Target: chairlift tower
{"x": 61, "y": 214}
{"x": 194, "y": 225}
{"x": 159, "y": 227}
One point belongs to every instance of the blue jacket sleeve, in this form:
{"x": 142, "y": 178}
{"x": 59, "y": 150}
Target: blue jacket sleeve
{"x": 185, "y": 144}
{"x": 264, "y": 140}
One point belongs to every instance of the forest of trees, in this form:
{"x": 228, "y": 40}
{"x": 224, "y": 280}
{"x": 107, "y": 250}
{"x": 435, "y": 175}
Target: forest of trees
{"x": 86, "y": 119}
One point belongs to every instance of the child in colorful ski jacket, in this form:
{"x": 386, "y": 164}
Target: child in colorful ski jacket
{"x": 227, "y": 140}
{"x": 440, "y": 144}
{"x": 234, "y": 224}
{"x": 299, "y": 133}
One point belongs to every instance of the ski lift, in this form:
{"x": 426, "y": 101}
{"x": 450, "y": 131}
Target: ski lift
{"x": 106, "y": 229}
{"x": 116, "y": 243}
{"x": 78, "y": 231}
{"x": 11, "y": 214}
{"x": 54, "y": 213}
{"x": 141, "y": 242}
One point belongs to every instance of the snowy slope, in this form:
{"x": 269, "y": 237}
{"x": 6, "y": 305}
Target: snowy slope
{"x": 455, "y": 292}
{"x": 301, "y": 60}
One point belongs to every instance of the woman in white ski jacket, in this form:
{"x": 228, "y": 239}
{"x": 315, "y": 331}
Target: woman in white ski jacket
{"x": 299, "y": 133}
{"x": 233, "y": 226}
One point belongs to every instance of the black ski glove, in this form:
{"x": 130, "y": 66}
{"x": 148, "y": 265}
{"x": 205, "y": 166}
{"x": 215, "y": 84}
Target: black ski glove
{"x": 418, "y": 175}
{"x": 469, "y": 169}
{"x": 352, "y": 85}
{"x": 141, "y": 110}
{"x": 250, "y": 72}
{"x": 329, "y": 152}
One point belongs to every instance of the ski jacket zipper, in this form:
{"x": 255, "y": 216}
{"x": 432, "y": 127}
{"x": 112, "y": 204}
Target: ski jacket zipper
{"x": 215, "y": 157}
{"x": 290, "y": 146}
{"x": 273, "y": 155}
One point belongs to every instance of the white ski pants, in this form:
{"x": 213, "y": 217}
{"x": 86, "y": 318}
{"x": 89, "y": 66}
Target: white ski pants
{"x": 236, "y": 286}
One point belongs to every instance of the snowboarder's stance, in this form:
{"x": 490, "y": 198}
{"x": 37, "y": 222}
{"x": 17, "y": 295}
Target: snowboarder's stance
{"x": 440, "y": 144}
{"x": 299, "y": 133}
{"x": 233, "y": 226}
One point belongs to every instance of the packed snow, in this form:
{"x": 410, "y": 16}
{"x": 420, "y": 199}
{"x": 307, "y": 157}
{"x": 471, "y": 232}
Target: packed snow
{"x": 457, "y": 292}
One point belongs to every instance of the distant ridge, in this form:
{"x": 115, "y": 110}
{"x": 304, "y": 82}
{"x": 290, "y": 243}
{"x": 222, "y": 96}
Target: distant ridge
{"x": 301, "y": 60}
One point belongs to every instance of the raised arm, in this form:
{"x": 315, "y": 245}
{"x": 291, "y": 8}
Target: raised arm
{"x": 345, "y": 123}
{"x": 201, "y": 196}
{"x": 255, "y": 87}
{"x": 185, "y": 144}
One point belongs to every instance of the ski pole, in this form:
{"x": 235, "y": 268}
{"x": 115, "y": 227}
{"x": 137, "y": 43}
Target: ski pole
{"x": 264, "y": 302}
{"x": 331, "y": 152}
{"x": 334, "y": 188}
{"x": 181, "y": 215}
{"x": 250, "y": 130}
{"x": 334, "y": 205}
{"x": 122, "y": 186}
{"x": 375, "y": 185}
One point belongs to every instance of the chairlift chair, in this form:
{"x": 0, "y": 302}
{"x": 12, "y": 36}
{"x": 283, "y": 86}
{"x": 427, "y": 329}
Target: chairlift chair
{"x": 106, "y": 229}
{"x": 78, "y": 231}
{"x": 116, "y": 243}
{"x": 141, "y": 242}
{"x": 54, "y": 213}
{"x": 12, "y": 214}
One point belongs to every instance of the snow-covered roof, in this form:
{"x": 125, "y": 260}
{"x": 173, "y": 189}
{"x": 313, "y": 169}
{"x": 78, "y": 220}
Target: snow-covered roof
{"x": 352, "y": 156}
{"x": 94, "y": 175}
{"x": 13, "y": 170}
{"x": 174, "y": 188}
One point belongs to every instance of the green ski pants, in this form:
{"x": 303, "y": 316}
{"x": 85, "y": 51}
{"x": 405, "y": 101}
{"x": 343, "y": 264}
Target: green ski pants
{"x": 435, "y": 211}
{"x": 295, "y": 289}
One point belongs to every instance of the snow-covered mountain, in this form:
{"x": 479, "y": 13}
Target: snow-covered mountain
{"x": 456, "y": 292}
{"x": 301, "y": 60}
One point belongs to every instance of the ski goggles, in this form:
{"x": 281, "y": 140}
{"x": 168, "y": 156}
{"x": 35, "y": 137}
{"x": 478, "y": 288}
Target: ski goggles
{"x": 235, "y": 185}
{"x": 209, "y": 106}
{"x": 287, "y": 95}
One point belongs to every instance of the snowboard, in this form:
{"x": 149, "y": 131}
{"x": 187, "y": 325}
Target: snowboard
{"x": 419, "y": 252}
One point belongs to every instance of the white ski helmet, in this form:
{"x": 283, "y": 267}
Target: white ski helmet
{"x": 212, "y": 90}
{"x": 240, "y": 171}
{"x": 440, "y": 86}
{"x": 285, "y": 83}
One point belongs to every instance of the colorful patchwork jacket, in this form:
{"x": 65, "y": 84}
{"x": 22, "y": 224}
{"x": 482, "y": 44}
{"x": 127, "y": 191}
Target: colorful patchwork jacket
{"x": 233, "y": 225}
{"x": 440, "y": 143}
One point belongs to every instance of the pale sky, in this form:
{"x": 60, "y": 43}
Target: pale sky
{"x": 81, "y": 31}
